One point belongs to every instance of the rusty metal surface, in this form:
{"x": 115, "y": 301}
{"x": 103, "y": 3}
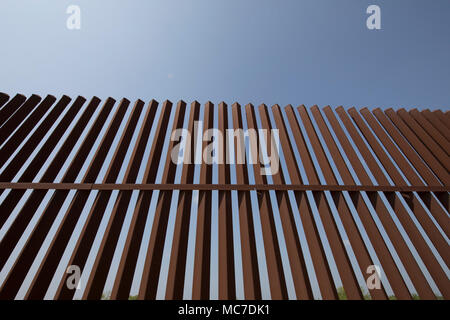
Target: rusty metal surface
{"x": 93, "y": 185}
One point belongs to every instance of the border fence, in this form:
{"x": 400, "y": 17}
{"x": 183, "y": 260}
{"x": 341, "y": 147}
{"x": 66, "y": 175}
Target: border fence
{"x": 358, "y": 209}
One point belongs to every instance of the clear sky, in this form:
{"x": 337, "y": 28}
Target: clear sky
{"x": 291, "y": 51}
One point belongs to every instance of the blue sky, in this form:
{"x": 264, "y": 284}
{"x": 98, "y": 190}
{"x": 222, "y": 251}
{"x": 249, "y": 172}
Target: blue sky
{"x": 298, "y": 52}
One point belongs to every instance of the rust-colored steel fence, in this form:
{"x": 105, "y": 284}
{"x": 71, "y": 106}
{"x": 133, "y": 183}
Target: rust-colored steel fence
{"x": 358, "y": 208}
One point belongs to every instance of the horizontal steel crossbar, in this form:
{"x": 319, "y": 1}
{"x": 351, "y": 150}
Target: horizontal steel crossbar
{"x": 205, "y": 187}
